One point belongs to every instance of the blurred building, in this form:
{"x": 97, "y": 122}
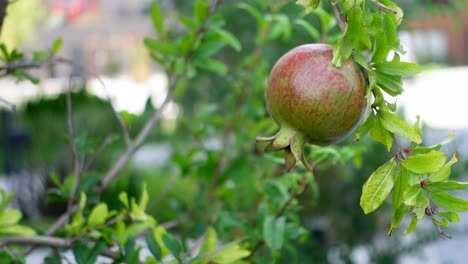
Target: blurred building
{"x": 441, "y": 35}
{"x": 105, "y": 37}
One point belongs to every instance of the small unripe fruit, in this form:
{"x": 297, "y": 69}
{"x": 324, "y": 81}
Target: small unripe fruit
{"x": 313, "y": 101}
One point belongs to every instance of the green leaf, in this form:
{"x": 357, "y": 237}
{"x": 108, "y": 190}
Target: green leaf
{"x": 188, "y": 22}
{"x": 273, "y": 232}
{"x": 157, "y": 17}
{"x": 430, "y": 162}
{"x": 123, "y": 197}
{"x": 209, "y": 46}
{"x": 281, "y": 27}
{"x": 420, "y": 207}
{"x": 98, "y": 215}
{"x": 211, "y": 239}
{"x": 447, "y": 186}
{"x": 356, "y": 30}
{"x": 313, "y": 32}
{"x": 393, "y": 124}
{"x": 16, "y": 230}
{"x": 80, "y": 251}
{"x": 200, "y": 11}
{"x": 254, "y": 12}
{"x": 399, "y": 13}
{"x": 391, "y": 84}
{"x": 230, "y": 254}
{"x": 450, "y": 216}
{"x": 397, "y": 68}
{"x": 417, "y": 126}
{"x": 380, "y": 134}
{"x": 82, "y": 203}
{"x": 365, "y": 127}
{"x": 412, "y": 225}
{"x": 401, "y": 185}
{"x": 153, "y": 246}
{"x": 53, "y": 260}
{"x": 361, "y": 60}
{"x": 444, "y": 172}
{"x": 398, "y": 215}
{"x": 160, "y": 46}
{"x": 376, "y": 189}
{"x": 95, "y": 251}
{"x": 410, "y": 196}
{"x": 10, "y": 217}
{"x": 144, "y": 198}
{"x": 56, "y": 46}
{"x": 448, "y": 202}
{"x": 172, "y": 244}
{"x": 308, "y": 5}
{"x": 342, "y": 51}
{"x": 229, "y": 38}
{"x": 212, "y": 65}
{"x": 20, "y": 74}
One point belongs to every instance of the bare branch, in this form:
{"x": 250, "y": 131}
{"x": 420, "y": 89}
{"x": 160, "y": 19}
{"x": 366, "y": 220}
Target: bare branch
{"x": 340, "y": 17}
{"x": 144, "y": 133}
{"x": 382, "y": 6}
{"x": 134, "y": 146}
{"x": 98, "y": 152}
{"x": 3, "y": 7}
{"x": 62, "y": 220}
{"x": 123, "y": 126}
{"x": 36, "y": 241}
{"x": 11, "y": 106}
{"x": 75, "y": 157}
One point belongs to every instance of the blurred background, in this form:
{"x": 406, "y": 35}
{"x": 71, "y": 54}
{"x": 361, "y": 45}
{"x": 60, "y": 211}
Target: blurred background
{"x": 208, "y": 131}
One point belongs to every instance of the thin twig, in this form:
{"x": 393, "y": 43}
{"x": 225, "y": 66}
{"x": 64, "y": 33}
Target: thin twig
{"x": 97, "y": 153}
{"x": 144, "y": 133}
{"x": 36, "y": 241}
{"x": 7, "y": 69}
{"x": 3, "y": 8}
{"x": 123, "y": 126}
{"x": 382, "y": 6}
{"x": 340, "y": 17}
{"x": 134, "y": 146}
{"x": 11, "y": 106}
{"x": 74, "y": 153}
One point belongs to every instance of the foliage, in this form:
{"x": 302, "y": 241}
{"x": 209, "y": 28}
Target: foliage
{"x": 229, "y": 201}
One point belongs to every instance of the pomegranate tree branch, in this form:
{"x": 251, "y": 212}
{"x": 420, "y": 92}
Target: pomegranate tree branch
{"x": 141, "y": 137}
{"x": 282, "y": 210}
{"x": 3, "y": 9}
{"x": 382, "y": 6}
{"x": 48, "y": 241}
{"x": 11, "y": 106}
{"x": 144, "y": 133}
{"x": 340, "y": 17}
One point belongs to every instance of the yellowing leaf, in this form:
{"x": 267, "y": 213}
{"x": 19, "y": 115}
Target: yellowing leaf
{"x": 98, "y": 215}
{"x": 430, "y": 162}
{"x": 444, "y": 172}
{"x": 378, "y": 187}
{"x": 10, "y": 217}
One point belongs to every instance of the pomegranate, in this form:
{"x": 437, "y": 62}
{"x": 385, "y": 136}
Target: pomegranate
{"x": 312, "y": 101}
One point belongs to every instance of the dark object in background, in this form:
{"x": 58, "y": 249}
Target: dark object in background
{"x": 16, "y": 144}
{"x": 30, "y": 185}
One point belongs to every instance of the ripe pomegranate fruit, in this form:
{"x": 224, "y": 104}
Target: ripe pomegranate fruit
{"x": 313, "y": 101}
